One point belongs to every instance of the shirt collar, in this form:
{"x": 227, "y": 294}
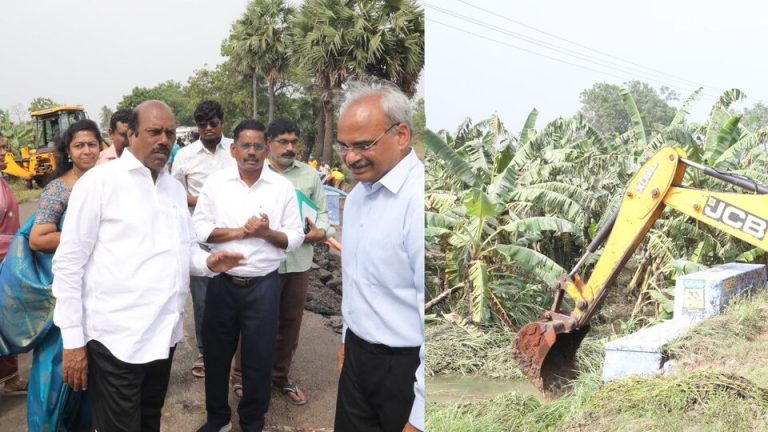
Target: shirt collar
{"x": 131, "y": 163}
{"x": 266, "y": 174}
{"x": 109, "y": 152}
{"x": 201, "y": 148}
{"x": 394, "y": 179}
{"x": 293, "y": 165}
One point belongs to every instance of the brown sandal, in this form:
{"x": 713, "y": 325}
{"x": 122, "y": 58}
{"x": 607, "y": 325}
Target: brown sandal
{"x": 293, "y": 393}
{"x": 18, "y": 386}
{"x": 198, "y": 368}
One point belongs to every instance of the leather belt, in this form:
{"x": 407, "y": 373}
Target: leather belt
{"x": 240, "y": 281}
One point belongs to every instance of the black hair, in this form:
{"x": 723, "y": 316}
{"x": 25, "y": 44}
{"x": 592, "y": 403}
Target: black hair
{"x": 133, "y": 122}
{"x": 282, "y": 126}
{"x": 249, "y": 124}
{"x": 122, "y": 116}
{"x": 63, "y": 162}
{"x": 207, "y": 110}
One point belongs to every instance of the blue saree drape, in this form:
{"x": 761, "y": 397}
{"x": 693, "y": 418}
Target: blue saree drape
{"x": 26, "y": 323}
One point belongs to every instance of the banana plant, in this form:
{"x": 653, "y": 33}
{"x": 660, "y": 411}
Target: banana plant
{"x": 483, "y": 237}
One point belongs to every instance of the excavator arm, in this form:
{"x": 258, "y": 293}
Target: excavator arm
{"x": 546, "y": 349}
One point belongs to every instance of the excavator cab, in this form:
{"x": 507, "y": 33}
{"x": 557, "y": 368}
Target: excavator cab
{"x": 37, "y": 160}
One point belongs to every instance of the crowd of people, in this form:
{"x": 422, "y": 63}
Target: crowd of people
{"x": 96, "y": 281}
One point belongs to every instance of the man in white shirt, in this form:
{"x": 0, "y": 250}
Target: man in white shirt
{"x": 121, "y": 275}
{"x": 381, "y": 358}
{"x": 252, "y": 210}
{"x": 192, "y": 166}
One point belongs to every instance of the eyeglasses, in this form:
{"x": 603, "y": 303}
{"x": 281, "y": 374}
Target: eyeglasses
{"x": 257, "y": 147}
{"x": 343, "y": 149}
{"x": 285, "y": 142}
{"x": 212, "y": 123}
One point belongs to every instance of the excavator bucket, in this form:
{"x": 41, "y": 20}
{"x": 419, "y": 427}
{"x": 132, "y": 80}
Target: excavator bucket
{"x": 546, "y": 353}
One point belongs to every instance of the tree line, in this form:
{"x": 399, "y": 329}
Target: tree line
{"x": 287, "y": 62}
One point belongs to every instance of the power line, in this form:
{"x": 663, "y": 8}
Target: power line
{"x": 577, "y": 44}
{"x": 623, "y": 78}
{"x": 570, "y": 53}
{"x": 715, "y": 89}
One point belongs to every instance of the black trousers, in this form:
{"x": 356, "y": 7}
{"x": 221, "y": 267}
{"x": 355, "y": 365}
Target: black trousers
{"x": 375, "y": 387}
{"x": 126, "y": 397}
{"x": 231, "y": 310}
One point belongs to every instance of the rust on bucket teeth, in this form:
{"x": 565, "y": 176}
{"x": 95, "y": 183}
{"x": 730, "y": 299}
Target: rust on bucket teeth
{"x": 545, "y": 351}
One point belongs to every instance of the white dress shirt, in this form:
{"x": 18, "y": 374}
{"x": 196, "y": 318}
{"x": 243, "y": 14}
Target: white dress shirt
{"x": 227, "y": 202}
{"x": 121, "y": 271}
{"x": 194, "y": 163}
{"x": 382, "y": 264}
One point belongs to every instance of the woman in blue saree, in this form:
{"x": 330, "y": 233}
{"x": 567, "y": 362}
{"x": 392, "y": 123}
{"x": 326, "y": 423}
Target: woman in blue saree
{"x": 26, "y": 280}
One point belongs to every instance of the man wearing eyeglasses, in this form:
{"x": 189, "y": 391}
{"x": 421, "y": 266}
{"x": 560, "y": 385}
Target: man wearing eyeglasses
{"x": 252, "y": 210}
{"x": 381, "y": 359}
{"x": 283, "y": 139}
{"x": 191, "y": 166}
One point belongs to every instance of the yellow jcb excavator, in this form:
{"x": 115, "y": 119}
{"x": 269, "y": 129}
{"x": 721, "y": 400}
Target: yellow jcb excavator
{"x": 37, "y": 160}
{"x": 546, "y": 349}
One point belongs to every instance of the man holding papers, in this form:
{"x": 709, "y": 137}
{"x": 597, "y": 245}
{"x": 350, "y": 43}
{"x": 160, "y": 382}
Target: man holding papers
{"x": 283, "y": 139}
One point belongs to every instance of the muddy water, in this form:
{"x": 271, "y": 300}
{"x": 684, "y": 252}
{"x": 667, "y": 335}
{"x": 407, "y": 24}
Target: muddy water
{"x": 456, "y": 388}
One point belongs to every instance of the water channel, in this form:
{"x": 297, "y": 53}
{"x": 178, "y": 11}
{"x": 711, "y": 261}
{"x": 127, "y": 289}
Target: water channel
{"x": 458, "y": 388}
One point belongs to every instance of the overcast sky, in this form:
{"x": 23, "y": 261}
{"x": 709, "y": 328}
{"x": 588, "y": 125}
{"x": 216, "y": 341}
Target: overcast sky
{"x": 92, "y": 52}
{"x": 510, "y": 57}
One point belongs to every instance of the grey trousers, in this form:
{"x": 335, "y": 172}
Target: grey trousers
{"x": 198, "y": 287}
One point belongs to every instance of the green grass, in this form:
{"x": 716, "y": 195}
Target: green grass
{"x": 718, "y": 384}
{"x": 22, "y": 192}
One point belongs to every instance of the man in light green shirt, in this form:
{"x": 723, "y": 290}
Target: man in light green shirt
{"x": 283, "y": 139}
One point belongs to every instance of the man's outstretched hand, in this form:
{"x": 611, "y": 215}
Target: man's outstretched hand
{"x": 222, "y": 261}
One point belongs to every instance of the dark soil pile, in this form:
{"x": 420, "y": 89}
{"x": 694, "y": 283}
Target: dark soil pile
{"x": 324, "y": 294}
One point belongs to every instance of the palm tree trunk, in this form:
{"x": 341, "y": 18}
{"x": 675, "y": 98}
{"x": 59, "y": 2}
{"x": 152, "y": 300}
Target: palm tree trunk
{"x": 317, "y": 150}
{"x": 254, "y": 88}
{"x": 271, "y": 95}
{"x": 328, "y": 141}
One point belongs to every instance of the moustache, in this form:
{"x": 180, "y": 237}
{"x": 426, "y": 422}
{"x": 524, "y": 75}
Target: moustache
{"x": 360, "y": 164}
{"x": 162, "y": 149}
{"x": 288, "y": 154}
{"x": 251, "y": 159}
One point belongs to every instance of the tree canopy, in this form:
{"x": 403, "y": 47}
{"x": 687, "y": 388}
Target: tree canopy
{"x": 603, "y": 106}
{"x": 755, "y": 117}
{"x": 170, "y": 92}
{"x": 41, "y": 103}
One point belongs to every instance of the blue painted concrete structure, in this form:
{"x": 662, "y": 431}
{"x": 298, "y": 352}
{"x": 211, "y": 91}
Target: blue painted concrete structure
{"x": 698, "y": 296}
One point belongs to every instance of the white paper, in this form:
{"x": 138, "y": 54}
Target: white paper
{"x": 308, "y": 212}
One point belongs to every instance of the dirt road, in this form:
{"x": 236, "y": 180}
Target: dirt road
{"x": 314, "y": 369}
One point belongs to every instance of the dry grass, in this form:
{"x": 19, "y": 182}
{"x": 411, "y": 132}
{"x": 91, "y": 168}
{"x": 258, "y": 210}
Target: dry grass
{"x": 720, "y": 384}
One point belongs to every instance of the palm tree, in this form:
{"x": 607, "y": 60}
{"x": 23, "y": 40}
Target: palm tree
{"x": 338, "y": 39}
{"x": 105, "y": 114}
{"x": 257, "y": 44}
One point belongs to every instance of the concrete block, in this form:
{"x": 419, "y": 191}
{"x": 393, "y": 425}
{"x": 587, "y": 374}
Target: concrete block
{"x": 697, "y": 296}
{"x": 642, "y": 352}
{"x": 706, "y": 293}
